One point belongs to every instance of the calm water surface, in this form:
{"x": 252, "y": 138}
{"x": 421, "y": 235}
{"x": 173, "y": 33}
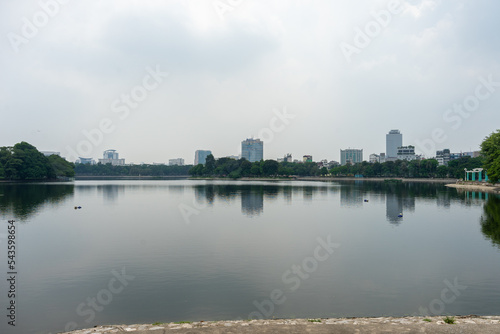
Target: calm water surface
{"x": 159, "y": 251}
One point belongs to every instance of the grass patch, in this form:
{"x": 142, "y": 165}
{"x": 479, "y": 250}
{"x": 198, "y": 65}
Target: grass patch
{"x": 314, "y": 320}
{"x": 157, "y": 323}
{"x": 182, "y": 322}
{"x": 428, "y": 320}
{"x": 449, "y": 320}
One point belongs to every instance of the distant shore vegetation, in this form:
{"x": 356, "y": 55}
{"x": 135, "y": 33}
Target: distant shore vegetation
{"x": 428, "y": 168}
{"x": 24, "y": 162}
{"x": 130, "y": 170}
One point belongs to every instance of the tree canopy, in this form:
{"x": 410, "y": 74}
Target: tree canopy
{"x": 130, "y": 170}
{"x": 24, "y": 162}
{"x": 490, "y": 149}
{"x": 228, "y": 167}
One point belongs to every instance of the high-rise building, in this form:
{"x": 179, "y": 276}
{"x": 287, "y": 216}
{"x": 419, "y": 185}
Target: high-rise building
{"x": 393, "y": 140}
{"x": 252, "y": 149}
{"x": 307, "y": 158}
{"x": 111, "y": 157}
{"x": 176, "y": 162}
{"x": 406, "y": 153}
{"x": 352, "y": 156}
{"x": 200, "y": 156}
{"x": 443, "y": 157}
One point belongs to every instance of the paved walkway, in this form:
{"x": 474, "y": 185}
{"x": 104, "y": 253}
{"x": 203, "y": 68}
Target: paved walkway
{"x": 434, "y": 325}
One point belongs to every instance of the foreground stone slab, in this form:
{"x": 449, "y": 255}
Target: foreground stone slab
{"x": 462, "y": 324}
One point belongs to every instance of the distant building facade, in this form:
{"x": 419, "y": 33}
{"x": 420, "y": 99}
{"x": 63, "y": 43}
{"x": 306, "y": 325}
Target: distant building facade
{"x": 286, "y": 158}
{"x": 200, "y": 156}
{"x": 49, "y": 153}
{"x": 406, "y": 153}
{"x": 307, "y": 158}
{"x": 176, "y": 162}
{"x": 393, "y": 140}
{"x": 252, "y": 149}
{"x": 374, "y": 158}
{"x": 111, "y": 157}
{"x": 443, "y": 157}
{"x": 352, "y": 156}
{"x": 86, "y": 161}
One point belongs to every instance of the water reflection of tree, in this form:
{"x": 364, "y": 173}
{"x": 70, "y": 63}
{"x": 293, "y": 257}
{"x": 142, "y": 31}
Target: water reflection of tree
{"x": 490, "y": 221}
{"x": 22, "y": 201}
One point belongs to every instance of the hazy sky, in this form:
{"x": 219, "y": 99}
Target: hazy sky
{"x": 339, "y": 73}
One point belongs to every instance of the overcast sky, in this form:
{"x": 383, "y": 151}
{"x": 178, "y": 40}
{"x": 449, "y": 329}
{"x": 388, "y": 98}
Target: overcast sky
{"x": 338, "y": 75}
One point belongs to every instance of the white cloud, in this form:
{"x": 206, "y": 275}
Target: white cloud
{"x": 227, "y": 75}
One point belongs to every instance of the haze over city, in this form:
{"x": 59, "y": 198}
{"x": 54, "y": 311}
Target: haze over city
{"x": 159, "y": 80}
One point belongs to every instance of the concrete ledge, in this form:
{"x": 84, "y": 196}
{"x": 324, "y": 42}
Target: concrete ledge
{"x": 463, "y": 324}
{"x": 487, "y": 188}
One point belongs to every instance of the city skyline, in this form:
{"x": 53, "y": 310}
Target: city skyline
{"x": 305, "y": 78}
{"x": 395, "y": 150}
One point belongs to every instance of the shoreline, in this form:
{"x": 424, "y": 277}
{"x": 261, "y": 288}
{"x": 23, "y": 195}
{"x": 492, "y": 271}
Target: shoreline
{"x": 449, "y": 182}
{"x": 492, "y": 189}
{"x": 328, "y": 179}
{"x": 413, "y": 324}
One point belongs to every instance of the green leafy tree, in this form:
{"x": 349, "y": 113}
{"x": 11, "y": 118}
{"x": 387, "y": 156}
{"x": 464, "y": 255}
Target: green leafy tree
{"x": 34, "y": 165}
{"x": 270, "y": 167}
{"x": 442, "y": 171}
{"x": 256, "y": 170}
{"x": 490, "y": 148}
{"x": 196, "y": 170}
{"x": 209, "y": 165}
{"x": 61, "y": 166}
{"x": 25, "y": 162}
{"x": 245, "y": 167}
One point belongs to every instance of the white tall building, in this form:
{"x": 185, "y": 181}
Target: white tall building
{"x": 111, "y": 157}
{"x": 406, "y": 153}
{"x": 393, "y": 140}
{"x": 176, "y": 162}
{"x": 374, "y": 158}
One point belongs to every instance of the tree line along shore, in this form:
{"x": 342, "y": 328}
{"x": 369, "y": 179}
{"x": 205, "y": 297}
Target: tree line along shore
{"x": 24, "y": 162}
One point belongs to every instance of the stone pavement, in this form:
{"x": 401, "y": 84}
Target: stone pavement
{"x": 436, "y": 325}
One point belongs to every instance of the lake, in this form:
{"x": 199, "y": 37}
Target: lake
{"x": 183, "y": 250}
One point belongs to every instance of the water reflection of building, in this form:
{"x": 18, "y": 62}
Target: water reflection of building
{"x": 176, "y": 189}
{"x": 474, "y": 198}
{"x": 351, "y": 196}
{"x": 287, "y": 194}
{"x": 110, "y": 192}
{"x": 443, "y": 199}
{"x": 396, "y": 204}
{"x": 252, "y": 203}
{"x": 308, "y": 193}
